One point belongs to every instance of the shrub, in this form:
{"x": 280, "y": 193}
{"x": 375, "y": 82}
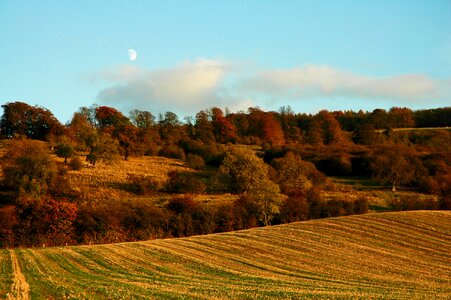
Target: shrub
{"x": 246, "y": 213}
{"x": 413, "y": 202}
{"x": 445, "y": 202}
{"x": 195, "y": 161}
{"x": 295, "y": 208}
{"x": 143, "y": 221}
{"x": 225, "y": 218}
{"x": 75, "y": 164}
{"x": 184, "y": 182}
{"x": 188, "y": 217}
{"x": 46, "y": 221}
{"x": 172, "y": 151}
{"x": 142, "y": 185}
{"x": 361, "y": 205}
{"x": 337, "y": 165}
{"x": 212, "y": 154}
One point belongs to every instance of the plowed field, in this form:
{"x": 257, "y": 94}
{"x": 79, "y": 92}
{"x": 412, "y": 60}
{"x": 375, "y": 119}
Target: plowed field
{"x": 403, "y": 255}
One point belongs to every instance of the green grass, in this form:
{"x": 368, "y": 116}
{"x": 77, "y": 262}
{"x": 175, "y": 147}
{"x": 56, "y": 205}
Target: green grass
{"x": 359, "y": 182}
{"x": 404, "y": 255}
{"x": 6, "y": 273}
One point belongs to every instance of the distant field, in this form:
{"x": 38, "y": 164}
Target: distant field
{"x": 422, "y": 128}
{"x": 416, "y": 129}
{"x": 404, "y": 255}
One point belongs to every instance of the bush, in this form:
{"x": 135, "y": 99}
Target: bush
{"x": 295, "y": 208}
{"x": 445, "y": 202}
{"x": 143, "y": 221}
{"x": 225, "y": 218}
{"x": 188, "y": 217}
{"x": 195, "y": 161}
{"x": 172, "y": 151}
{"x": 361, "y": 206}
{"x": 338, "y": 165}
{"x": 142, "y": 185}
{"x": 47, "y": 221}
{"x": 212, "y": 154}
{"x": 413, "y": 202}
{"x": 246, "y": 213}
{"x": 76, "y": 164}
{"x": 184, "y": 182}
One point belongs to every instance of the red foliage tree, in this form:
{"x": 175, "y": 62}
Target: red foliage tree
{"x": 265, "y": 126}
{"x": 110, "y": 117}
{"x": 32, "y": 121}
{"x": 331, "y": 130}
{"x": 223, "y": 129}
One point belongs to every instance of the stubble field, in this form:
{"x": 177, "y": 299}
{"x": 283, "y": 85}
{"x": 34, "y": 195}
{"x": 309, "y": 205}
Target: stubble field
{"x": 403, "y": 255}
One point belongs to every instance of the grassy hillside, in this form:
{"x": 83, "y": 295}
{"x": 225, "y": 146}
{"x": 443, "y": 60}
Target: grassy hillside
{"x": 403, "y": 255}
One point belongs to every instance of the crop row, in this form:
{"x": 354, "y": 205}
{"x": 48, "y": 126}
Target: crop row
{"x": 391, "y": 255}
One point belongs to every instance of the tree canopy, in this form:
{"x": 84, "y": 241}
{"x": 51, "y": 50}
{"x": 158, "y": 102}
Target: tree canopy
{"x": 248, "y": 175}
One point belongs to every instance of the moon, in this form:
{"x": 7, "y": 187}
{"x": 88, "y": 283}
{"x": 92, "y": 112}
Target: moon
{"x": 132, "y": 55}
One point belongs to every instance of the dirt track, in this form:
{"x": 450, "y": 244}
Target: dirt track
{"x": 20, "y": 287}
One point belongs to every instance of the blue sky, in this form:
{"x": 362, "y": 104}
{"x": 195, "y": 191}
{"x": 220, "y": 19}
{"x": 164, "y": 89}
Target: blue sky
{"x": 193, "y": 55}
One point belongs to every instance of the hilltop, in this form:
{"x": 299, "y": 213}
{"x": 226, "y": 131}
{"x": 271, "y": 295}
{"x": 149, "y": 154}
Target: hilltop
{"x": 402, "y": 255}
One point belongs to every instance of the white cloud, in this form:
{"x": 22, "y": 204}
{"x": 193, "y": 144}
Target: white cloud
{"x": 324, "y": 81}
{"x": 192, "y": 86}
{"x": 188, "y": 87}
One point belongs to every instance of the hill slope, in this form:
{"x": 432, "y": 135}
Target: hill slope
{"x": 391, "y": 255}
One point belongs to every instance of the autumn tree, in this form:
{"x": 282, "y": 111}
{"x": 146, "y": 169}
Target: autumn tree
{"x": 89, "y": 113}
{"x": 288, "y": 121}
{"x": 203, "y": 129}
{"x": 265, "y": 126}
{"x": 394, "y": 164}
{"x": 129, "y": 143}
{"x": 31, "y": 121}
{"x": 81, "y": 131}
{"x": 110, "y": 118}
{"x": 170, "y": 127}
{"x": 248, "y": 176}
{"x": 365, "y": 134}
{"x": 331, "y": 130}
{"x": 241, "y": 123}
{"x": 294, "y": 175}
{"x": 104, "y": 148}
{"x": 401, "y": 117}
{"x": 438, "y": 117}
{"x": 142, "y": 119}
{"x": 28, "y": 168}
{"x": 314, "y": 135}
{"x": 379, "y": 119}
{"x": 223, "y": 129}
{"x": 64, "y": 149}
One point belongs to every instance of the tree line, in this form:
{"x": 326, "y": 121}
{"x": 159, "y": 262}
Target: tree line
{"x": 277, "y": 182}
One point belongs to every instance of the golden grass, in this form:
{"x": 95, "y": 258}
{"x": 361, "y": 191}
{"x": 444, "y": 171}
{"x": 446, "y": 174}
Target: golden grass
{"x": 106, "y": 175}
{"x": 404, "y": 255}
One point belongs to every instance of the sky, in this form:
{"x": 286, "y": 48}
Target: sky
{"x": 193, "y": 55}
